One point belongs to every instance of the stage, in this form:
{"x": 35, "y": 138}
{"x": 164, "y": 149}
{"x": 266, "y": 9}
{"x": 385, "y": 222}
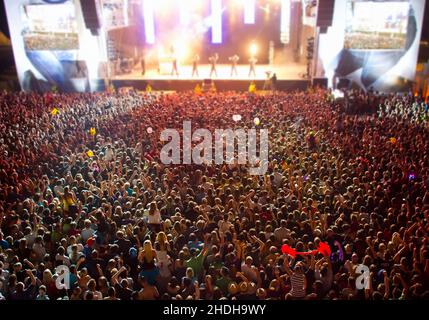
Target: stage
{"x": 289, "y": 77}
{"x": 289, "y": 71}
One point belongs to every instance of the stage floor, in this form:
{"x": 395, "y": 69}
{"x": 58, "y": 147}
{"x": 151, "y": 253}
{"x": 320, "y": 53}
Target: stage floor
{"x": 290, "y": 71}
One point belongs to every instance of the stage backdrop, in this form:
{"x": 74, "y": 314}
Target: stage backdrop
{"x": 52, "y": 47}
{"x": 372, "y": 43}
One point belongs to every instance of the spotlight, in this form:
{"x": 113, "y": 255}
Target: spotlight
{"x": 181, "y": 49}
{"x": 253, "y": 49}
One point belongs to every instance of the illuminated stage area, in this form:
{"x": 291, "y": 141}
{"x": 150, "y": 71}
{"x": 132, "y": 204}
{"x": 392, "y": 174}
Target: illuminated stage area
{"x": 84, "y": 45}
{"x": 290, "y": 78}
{"x": 237, "y": 152}
{"x": 162, "y": 76}
{"x": 289, "y": 72}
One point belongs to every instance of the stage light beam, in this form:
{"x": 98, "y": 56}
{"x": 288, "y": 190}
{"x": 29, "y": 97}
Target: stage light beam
{"x": 184, "y": 12}
{"x": 181, "y": 48}
{"x": 216, "y": 21}
{"x": 125, "y": 12}
{"x": 149, "y": 21}
{"x": 285, "y": 21}
{"x": 253, "y": 48}
{"x": 249, "y": 11}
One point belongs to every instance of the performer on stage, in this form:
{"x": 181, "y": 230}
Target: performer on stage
{"x": 252, "y": 63}
{"x": 213, "y": 60}
{"x": 234, "y": 59}
{"x": 267, "y": 82}
{"x": 174, "y": 62}
{"x": 143, "y": 64}
{"x": 195, "y": 65}
{"x": 158, "y": 62}
{"x": 274, "y": 82}
{"x": 122, "y": 64}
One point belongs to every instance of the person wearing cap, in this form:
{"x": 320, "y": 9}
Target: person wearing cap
{"x": 89, "y": 246}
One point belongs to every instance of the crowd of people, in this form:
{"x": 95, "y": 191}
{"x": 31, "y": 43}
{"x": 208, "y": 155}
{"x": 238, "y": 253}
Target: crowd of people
{"x": 374, "y": 40}
{"x": 85, "y": 197}
{"x": 51, "y": 41}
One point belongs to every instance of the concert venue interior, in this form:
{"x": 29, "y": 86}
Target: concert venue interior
{"x": 214, "y": 150}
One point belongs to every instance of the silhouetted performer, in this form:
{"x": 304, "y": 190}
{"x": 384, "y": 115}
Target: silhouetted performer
{"x": 267, "y": 82}
{"x": 174, "y": 62}
{"x": 234, "y": 59}
{"x": 274, "y": 82}
{"x": 143, "y": 65}
{"x": 252, "y": 63}
{"x": 195, "y": 65}
{"x": 213, "y": 60}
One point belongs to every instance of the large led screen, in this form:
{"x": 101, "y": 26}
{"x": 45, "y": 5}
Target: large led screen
{"x": 374, "y": 44}
{"x": 376, "y": 25}
{"x": 52, "y": 47}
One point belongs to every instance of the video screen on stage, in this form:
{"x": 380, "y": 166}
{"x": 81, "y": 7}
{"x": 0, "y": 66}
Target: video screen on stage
{"x": 115, "y": 13}
{"x": 50, "y": 27}
{"x": 376, "y": 24}
{"x": 373, "y": 44}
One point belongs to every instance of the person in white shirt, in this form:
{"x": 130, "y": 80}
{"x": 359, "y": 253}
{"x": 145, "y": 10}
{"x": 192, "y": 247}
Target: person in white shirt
{"x": 61, "y": 257}
{"x": 72, "y": 242}
{"x": 154, "y": 216}
{"x": 109, "y": 154}
{"x": 248, "y": 269}
{"x": 87, "y": 232}
{"x": 59, "y": 189}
